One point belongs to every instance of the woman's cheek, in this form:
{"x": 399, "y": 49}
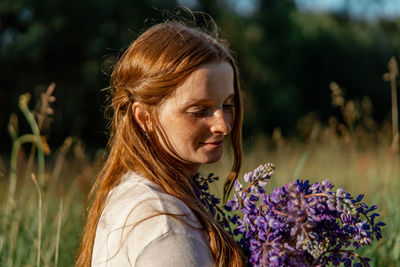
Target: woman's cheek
{"x": 181, "y": 129}
{"x": 193, "y": 134}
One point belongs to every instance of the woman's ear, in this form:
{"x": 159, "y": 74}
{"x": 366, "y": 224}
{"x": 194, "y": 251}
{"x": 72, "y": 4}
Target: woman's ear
{"x": 141, "y": 116}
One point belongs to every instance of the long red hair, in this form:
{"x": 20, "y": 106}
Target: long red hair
{"x": 149, "y": 71}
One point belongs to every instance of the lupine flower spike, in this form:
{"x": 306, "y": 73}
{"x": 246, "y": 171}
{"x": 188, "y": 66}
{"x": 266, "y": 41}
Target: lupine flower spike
{"x": 298, "y": 224}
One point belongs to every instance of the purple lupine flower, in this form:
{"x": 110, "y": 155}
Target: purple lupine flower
{"x": 298, "y": 224}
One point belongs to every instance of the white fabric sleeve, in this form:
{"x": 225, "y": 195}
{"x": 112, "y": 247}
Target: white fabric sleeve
{"x": 141, "y": 225}
{"x": 174, "y": 250}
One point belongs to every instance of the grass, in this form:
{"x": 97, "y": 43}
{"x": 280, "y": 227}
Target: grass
{"x": 41, "y": 219}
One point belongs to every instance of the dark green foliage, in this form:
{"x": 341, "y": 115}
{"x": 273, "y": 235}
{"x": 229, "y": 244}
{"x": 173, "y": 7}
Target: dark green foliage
{"x": 67, "y": 42}
{"x": 287, "y": 58}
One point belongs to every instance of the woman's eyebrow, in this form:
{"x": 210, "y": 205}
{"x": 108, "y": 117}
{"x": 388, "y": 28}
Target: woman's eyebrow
{"x": 195, "y": 101}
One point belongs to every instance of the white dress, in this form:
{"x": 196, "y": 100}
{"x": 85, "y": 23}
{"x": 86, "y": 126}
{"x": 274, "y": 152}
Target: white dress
{"x": 160, "y": 240}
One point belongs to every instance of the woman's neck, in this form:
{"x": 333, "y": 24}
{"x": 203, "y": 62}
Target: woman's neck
{"x": 191, "y": 169}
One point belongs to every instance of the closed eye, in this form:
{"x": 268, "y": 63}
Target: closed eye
{"x": 204, "y": 111}
{"x": 201, "y": 112}
{"x": 228, "y": 106}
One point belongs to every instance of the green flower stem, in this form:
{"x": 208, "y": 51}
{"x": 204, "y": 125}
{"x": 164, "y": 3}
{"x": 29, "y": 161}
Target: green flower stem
{"x": 23, "y": 105}
{"x": 39, "y": 220}
{"x": 17, "y": 143}
{"x": 27, "y": 138}
{"x": 12, "y": 132}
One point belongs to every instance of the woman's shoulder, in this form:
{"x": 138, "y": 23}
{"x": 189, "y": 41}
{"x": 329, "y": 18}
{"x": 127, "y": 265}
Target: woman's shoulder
{"x": 137, "y": 197}
{"x": 138, "y": 214}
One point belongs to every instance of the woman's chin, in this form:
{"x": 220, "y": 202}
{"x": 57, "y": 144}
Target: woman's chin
{"x": 211, "y": 157}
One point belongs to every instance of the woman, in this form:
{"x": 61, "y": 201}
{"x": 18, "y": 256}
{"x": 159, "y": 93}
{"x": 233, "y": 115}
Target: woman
{"x": 175, "y": 96}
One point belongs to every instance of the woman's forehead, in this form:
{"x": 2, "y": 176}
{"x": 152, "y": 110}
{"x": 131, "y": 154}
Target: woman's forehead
{"x": 209, "y": 81}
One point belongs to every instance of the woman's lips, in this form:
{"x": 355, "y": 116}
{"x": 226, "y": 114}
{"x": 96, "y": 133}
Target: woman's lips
{"x": 214, "y": 144}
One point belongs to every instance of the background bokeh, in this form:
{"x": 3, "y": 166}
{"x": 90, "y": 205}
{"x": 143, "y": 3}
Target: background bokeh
{"x": 287, "y": 55}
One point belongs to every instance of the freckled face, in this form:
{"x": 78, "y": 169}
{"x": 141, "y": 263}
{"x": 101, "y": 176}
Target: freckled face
{"x": 200, "y": 113}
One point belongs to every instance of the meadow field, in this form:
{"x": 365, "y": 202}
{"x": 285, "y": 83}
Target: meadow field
{"x": 43, "y": 191}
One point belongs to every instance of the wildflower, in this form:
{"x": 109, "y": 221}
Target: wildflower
{"x": 298, "y": 224}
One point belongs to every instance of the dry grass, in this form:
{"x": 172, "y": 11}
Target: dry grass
{"x": 41, "y": 220}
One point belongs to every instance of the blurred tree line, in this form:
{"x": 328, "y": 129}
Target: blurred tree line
{"x": 287, "y": 58}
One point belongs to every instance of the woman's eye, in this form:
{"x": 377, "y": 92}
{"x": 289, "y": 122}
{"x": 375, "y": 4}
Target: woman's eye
{"x": 228, "y": 106}
{"x": 203, "y": 112}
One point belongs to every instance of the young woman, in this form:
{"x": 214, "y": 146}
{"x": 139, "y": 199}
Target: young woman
{"x": 175, "y": 97}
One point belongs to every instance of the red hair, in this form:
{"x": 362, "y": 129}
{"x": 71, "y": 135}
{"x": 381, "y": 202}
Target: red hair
{"x": 149, "y": 71}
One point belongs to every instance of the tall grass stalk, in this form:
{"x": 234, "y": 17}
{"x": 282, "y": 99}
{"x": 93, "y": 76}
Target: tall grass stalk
{"x": 23, "y": 105}
{"x": 27, "y": 138}
{"x": 391, "y": 76}
{"x": 45, "y": 109}
{"x": 306, "y": 153}
{"x": 39, "y": 237}
{"x": 19, "y": 223}
{"x": 35, "y": 139}
{"x": 57, "y": 241}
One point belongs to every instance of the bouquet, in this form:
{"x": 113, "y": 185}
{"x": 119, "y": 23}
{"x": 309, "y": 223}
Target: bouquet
{"x": 298, "y": 224}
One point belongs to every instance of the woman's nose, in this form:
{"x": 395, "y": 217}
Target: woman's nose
{"x": 220, "y": 123}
